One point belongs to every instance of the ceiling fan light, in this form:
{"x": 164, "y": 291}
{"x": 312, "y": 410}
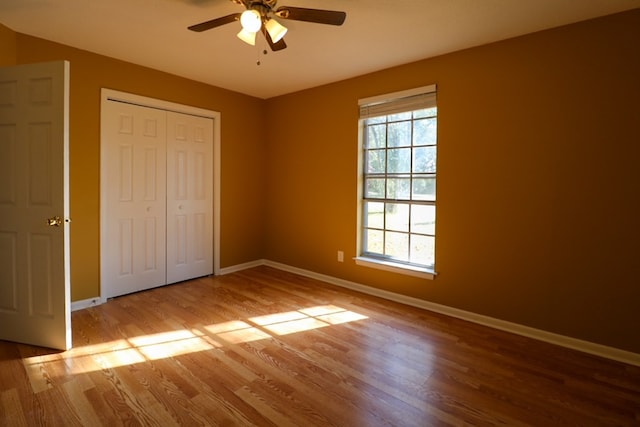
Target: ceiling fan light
{"x": 275, "y": 30}
{"x": 251, "y": 20}
{"x": 247, "y": 37}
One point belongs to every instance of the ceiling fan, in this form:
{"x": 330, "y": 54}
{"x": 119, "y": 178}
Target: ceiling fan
{"x": 260, "y": 16}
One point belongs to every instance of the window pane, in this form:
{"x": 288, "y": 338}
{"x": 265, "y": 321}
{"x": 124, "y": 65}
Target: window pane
{"x": 423, "y": 219}
{"x": 374, "y": 214}
{"x": 376, "y": 136}
{"x": 422, "y": 250}
{"x": 375, "y": 120}
{"x": 397, "y": 245}
{"x": 400, "y": 134}
{"x": 397, "y": 217}
{"x": 376, "y": 160}
{"x": 427, "y": 112}
{"x": 424, "y": 189}
{"x": 374, "y": 242}
{"x": 424, "y": 159}
{"x": 374, "y": 188}
{"x": 399, "y": 160}
{"x": 398, "y": 188}
{"x": 425, "y": 132}
{"x": 400, "y": 116}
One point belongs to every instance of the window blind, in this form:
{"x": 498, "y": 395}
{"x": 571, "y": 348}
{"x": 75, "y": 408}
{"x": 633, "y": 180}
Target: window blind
{"x": 400, "y": 102}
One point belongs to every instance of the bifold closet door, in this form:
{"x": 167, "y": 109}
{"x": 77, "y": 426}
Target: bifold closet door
{"x": 157, "y": 225}
{"x": 189, "y": 197}
{"x": 134, "y": 223}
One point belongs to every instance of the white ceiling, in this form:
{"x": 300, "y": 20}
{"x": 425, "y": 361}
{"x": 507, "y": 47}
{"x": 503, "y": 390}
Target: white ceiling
{"x": 377, "y": 34}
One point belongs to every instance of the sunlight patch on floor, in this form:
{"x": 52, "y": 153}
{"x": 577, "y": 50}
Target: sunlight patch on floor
{"x": 237, "y": 331}
{"x": 143, "y": 348}
{"x": 306, "y": 319}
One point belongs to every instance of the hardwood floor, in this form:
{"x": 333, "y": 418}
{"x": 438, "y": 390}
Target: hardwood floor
{"x": 265, "y": 347}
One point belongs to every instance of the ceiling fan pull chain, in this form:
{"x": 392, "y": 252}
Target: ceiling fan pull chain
{"x": 264, "y": 52}
{"x": 258, "y": 60}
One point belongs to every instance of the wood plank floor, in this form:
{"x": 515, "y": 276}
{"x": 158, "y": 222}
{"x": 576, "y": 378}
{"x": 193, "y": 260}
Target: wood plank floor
{"x": 268, "y": 348}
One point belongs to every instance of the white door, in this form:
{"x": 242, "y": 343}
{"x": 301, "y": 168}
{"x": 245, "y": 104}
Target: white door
{"x": 134, "y": 204}
{"x": 189, "y": 196}
{"x": 34, "y": 205}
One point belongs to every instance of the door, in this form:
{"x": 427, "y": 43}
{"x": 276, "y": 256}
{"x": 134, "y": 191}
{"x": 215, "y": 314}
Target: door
{"x": 34, "y": 205}
{"x": 189, "y": 195}
{"x": 157, "y": 196}
{"x": 134, "y": 190}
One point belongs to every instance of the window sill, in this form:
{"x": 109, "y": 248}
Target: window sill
{"x": 423, "y": 273}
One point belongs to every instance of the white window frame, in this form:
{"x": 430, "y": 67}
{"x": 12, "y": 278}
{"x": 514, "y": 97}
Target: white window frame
{"x": 407, "y": 100}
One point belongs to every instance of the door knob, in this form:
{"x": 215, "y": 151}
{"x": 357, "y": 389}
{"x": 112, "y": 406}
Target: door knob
{"x": 54, "y": 221}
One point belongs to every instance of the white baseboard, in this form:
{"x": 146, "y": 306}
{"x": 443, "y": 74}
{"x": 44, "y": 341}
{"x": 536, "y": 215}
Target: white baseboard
{"x": 86, "y": 303}
{"x": 240, "y": 267}
{"x": 92, "y": 302}
{"x": 538, "y": 334}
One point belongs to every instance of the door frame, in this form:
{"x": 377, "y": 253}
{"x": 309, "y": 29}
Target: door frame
{"x": 107, "y": 95}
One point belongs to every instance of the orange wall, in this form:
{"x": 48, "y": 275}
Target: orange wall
{"x": 538, "y": 187}
{"x": 242, "y": 155}
{"x": 7, "y": 46}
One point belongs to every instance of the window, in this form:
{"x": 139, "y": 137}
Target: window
{"x": 398, "y": 136}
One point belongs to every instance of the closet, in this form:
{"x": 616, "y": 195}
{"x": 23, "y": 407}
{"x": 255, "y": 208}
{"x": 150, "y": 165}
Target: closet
{"x": 156, "y": 197}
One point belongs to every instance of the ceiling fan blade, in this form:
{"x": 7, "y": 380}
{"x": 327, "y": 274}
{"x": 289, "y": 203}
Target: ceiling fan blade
{"x": 330, "y": 17}
{"x": 279, "y": 45}
{"x": 207, "y": 25}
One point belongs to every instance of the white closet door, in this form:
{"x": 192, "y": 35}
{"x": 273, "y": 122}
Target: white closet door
{"x": 134, "y": 174}
{"x": 189, "y": 197}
